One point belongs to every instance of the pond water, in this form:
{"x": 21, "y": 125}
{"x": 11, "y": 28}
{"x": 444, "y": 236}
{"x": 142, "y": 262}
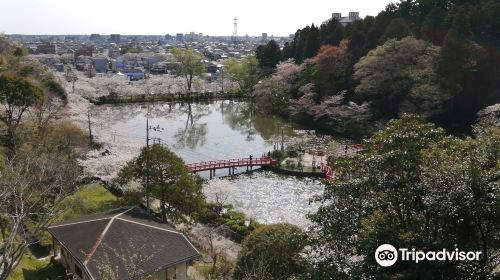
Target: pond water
{"x": 268, "y": 197}
{"x": 225, "y": 130}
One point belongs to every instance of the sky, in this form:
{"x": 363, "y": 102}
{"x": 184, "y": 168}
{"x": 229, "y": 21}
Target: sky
{"x": 159, "y": 17}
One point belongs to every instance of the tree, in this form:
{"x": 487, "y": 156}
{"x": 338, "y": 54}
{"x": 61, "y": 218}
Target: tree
{"x": 461, "y": 180}
{"x": 164, "y": 176}
{"x": 356, "y": 42}
{"x": 397, "y": 29}
{"x": 272, "y": 94}
{"x": 332, "y": 69}
{"x": 245, "y": 72}
{"x": 467, "y": 68}
{"x": 190, "y": 64}
{"x": 33, "y": 183}
{"x": 448, "y": 84}
{"x": 45, "y": 112}
{"x": 375, "y": 199}
{"x": 452, "y": 58}
{"x": 3, "y": 63}
{"x": 337, "y": 35}
{"x": 312, "y": 43}
{"x": 377, "y": 29}
{"x": 286, "y": 53}
{"x": 401, "y": 77}
{"x": 19, "y": 51}
{"x": 271, "y": 252}
{"x": 16, "y": 95}
{"x": 331, "y": 33}
{"x": 413, "y": 187}
{"x": 215, "y": 248}
{"x": 268, "y": 55}
{"x": 300, "y": 42}
{"x": 433, "y": 29}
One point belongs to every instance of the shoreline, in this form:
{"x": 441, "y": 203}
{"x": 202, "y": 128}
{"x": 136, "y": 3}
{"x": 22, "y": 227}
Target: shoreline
{"x": 167, "y": 97}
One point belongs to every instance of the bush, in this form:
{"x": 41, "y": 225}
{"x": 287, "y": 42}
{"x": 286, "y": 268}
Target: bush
{"x": 234, "y": 220}
{"x": 208, "y": 214}
{"x": 26, "y": 71}
{"x": 272, "y": 252}
{"x": 279, "y": 155}
{"x": 131, "y": 197}
{"x": 56, "y": 88}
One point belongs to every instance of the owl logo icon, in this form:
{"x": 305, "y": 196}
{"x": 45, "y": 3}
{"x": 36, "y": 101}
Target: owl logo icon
{"x": 386, "y": 255}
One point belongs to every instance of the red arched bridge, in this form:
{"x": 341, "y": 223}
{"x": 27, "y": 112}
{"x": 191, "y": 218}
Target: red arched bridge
{"x": 231, "y": 164}
{"x": 249, "y": 163}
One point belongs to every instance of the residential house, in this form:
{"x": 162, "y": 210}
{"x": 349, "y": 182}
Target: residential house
{"x": 127, "y": 243}
{"x": 134, "y": 74}
{"x": 100, "y": 64}
{"x": 84, "y": 51}
{"x": 45, "y": 48}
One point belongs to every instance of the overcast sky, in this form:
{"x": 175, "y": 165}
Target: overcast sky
{"x": 210, "y": 17}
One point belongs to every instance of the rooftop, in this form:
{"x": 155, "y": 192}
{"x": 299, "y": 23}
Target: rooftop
{"x": 118, "y": 235}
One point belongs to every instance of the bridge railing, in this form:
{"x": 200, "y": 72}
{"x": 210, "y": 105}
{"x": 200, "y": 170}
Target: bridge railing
{"x": 227, "y": 163}
{"x": 237, "y": 162}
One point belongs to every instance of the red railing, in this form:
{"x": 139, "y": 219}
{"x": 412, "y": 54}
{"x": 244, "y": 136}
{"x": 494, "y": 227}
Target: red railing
{"x": 347, "y": 150}
{"x": 228, "y": 163}
{"x": 328, "y": 172}
{"x": 351, "y": 149}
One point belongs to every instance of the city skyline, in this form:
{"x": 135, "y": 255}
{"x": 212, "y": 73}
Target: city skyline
{"x": 154, "y": 17}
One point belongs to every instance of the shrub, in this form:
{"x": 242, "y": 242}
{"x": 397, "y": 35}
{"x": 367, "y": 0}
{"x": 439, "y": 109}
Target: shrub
{"x": 272, "y": 252}
{"x": 56, "y": 88}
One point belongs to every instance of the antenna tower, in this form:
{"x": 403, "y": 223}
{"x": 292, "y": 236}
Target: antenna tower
{"x": 235, "y": 32}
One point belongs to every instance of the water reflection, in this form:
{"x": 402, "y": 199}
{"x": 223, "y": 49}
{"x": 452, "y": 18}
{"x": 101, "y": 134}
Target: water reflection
{"x": 193, "y": 134}
{"x": 223, "y": 130}
{"x": 201, "y": 131}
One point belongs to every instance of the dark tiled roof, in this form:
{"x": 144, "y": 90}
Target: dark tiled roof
{"x": 130, "y": 240}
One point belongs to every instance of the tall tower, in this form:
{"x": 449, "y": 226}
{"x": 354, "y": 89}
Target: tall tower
{"x": 235, "y": 32}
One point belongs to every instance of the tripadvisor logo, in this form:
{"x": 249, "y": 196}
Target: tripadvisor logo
{"x": 387, "y": 255}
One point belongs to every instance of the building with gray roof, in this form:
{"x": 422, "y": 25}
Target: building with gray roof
{"x": 127, "y": 242}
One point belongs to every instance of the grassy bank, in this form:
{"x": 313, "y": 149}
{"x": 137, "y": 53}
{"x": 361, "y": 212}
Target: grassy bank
{"x": 36, "y": 269}
{"x": 88, "y": 199}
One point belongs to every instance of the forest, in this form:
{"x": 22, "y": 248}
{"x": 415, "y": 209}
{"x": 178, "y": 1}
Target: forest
{"x": 438, "y": 59}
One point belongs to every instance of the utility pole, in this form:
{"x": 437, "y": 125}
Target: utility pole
{"x": 282, "y": 140}
{"x": 157, "y": 128}
{"x": 222, "y": 72}
{"x": 147, "y": 165}
{"x": 90, "y": 130}
{"x": 147, "y": 132}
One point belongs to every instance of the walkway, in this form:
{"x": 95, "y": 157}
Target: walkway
{"x": 231, "y": 164}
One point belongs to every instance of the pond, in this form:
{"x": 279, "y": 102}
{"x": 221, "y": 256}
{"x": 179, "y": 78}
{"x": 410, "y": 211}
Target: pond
{"x": 268, "y": 197}
{"x": 224, "y": 130}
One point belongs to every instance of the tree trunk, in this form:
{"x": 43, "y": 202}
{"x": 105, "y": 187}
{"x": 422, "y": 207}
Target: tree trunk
{"x": 190, "y": 82}
{"x": 162, "y": 200}
{"x": 3, "y": 227}
{"x": 214, "y": 266}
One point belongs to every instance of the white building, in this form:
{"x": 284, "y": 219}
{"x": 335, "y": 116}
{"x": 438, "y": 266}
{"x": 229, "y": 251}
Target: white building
{"x": 353, "y": 16}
